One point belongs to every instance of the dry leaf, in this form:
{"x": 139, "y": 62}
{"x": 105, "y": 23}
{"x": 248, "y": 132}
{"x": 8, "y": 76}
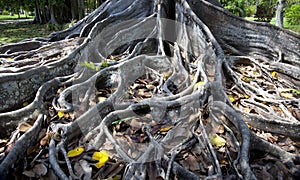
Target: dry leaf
{"x": 165, "y": 128}
{"x": 218, "y": 141}
{"x": 102, "y": 158}
{"x": 100, "y": 99}
{"x": 274, "y": 74}
{"x": 46, "y": 139}
{"x": 60, "y": 114}
{"x": 231, "y": 98}
{"x": 246, "y": 109}
{"x": 246, "y": 96}
{"x": 201, "y": 83}
{"x": 24, "y": 127}
{"x": 75, "y": 152}
{"x": 150, "y": 86}
{"x": 286, "y": 95}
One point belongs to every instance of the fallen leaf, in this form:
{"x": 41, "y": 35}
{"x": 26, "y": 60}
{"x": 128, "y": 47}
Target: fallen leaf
{"x": 286, "y": 95}
{"x": 150, "y": 86}
{"x": 167, "y": 74}
{"x": 201, "y": 83}
{"x": 246, "y": 96}
{"x": 75, "y": 152}
{"x": 102, "y": 158}
{"x": 246, "y": 109}
{"x": 24, "y": 127}
{"x": 274, "y": 74}
{"x": 165, "y": 128}
{"x": 218, "y": 141}
{"x": 25, "y": 104}
{"x": 46, "y": 139}
{"x": 100, "y": 99}
{"x": 231, "y": 98}
{"x": 60, "y": 114}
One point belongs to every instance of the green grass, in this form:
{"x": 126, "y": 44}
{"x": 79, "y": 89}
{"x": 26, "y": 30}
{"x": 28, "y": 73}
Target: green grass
{"x": 286, "y": 25}
{"x": 17, "y": 31}
{"x": 15, "y": 17}
{"x": 14, "y": 32}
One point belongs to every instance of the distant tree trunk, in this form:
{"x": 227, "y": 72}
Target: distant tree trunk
{"x": 74, "y": 9}
{"x": 80, "y": 9}
{"x": 37, "y": 13}
{"x": 280, "y": 13}
{"x": 52, "y": 16}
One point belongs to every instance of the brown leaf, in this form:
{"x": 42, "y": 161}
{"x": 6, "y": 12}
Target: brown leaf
{"x": 24, "y": 127}
{"x": 286, "y": 95}
{"x": 45, "y": 139}
{"x": 37, "y": 171}
{"x": 191, "y": 163}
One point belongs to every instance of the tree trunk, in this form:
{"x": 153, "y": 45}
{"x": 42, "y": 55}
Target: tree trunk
{"x": 169, "y": 88}
{"x": 74, "y": 10}
{"x": 80, "y": 9}
{"x": 52, "y": 15}
{"x": 280, "y": 13}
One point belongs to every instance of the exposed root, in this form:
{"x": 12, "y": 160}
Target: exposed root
{"x": 170, "y": 88}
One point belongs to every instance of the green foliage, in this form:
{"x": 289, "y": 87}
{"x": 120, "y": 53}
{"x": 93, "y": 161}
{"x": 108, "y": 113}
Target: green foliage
{"x": 13, "y": 32}
{"x": 237, "y": 7}
{"x": 90, "y": 65}
{"x": 55, "y": 27}
{"x": 296, "y": 91}
{"x": 104, "y": 64}
{"x": 250, "y": 10}
{"x": 293, "y": 14}
{"x": 5, "y": 12}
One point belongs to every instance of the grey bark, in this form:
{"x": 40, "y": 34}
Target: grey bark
{"x": 208, "y": 45}
{"x": 280, "y": 13}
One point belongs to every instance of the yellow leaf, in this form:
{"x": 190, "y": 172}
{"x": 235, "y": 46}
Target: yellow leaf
{"x": 274, "y": 74}
{"x": 165, "y": 129}
{"x": 246, "y": 109}
{"x": 100, "y": 99}
{"x": 246, "y": 96}
{"x": 286, "y": 95}
{"x": 102, "y": 158}
{"x": 25, "y": 104}
{"x": 231, "y": 98}
{"x": 60, "y": 114}
{"x": 249, "y": 126}
{"x": 198, "y": 84}
{"x": 75, "y": 152}
{"x": 167, "y": 74}
{"x": 218, "y": 141}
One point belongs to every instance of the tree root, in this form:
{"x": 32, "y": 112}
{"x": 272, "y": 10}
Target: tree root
{"x": 171, "y": 88}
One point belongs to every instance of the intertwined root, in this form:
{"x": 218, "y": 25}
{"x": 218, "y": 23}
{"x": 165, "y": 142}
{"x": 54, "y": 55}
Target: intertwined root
{"x": 150, "y": 83}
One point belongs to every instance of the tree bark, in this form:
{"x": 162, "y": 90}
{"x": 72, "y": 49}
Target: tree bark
{"x": 163, "y": 86}
{"x": 280, "y": 13}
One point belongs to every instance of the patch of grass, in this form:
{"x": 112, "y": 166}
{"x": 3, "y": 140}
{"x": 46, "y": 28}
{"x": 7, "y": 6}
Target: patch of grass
{"x": 286, "y": 25}
{"x": 13, "y": 32}
{"x": 14, "y": 17}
